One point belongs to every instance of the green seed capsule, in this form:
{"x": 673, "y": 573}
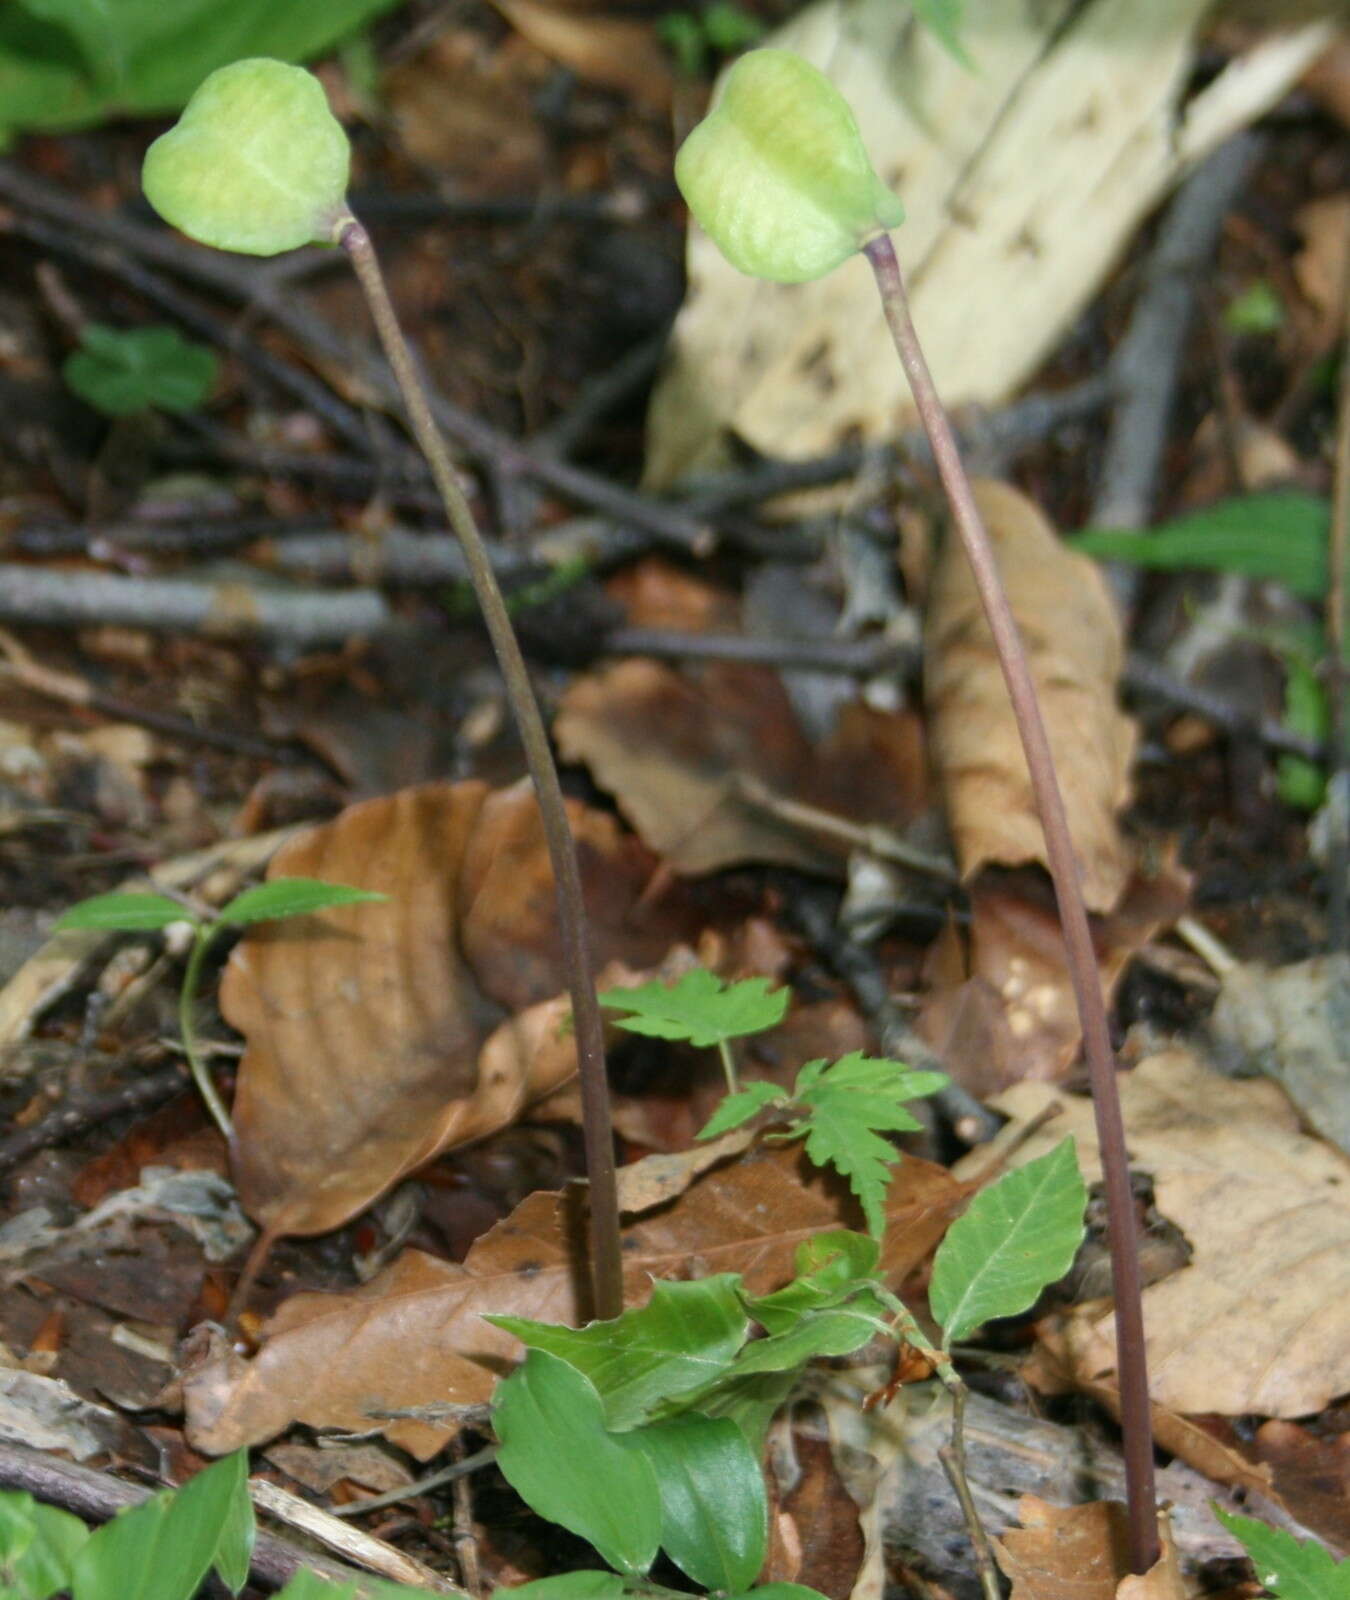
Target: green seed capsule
{"x": 256, "y": 163}
{"x": 777, "y": 173}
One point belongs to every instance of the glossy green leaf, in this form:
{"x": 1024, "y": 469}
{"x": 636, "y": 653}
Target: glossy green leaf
{"x": 837, "y": 1331}
{"x": 37, "y": 1546}
{"x": 777, "y": 173}
{"x": 1292, "y": 1569}
{"x": 70, "y": 63}
{"x": 849, "y": 1105}
{"x": 163, "y": 1549}
{"x": 1281, "y": 535}
{"x": 123, "y": 371}
{"x": 588, "y": 1585}
{"x": 1301, "y": 782}
{"x": 291, "y": 897}
{"x": 714, "y": 1511}
{"x": 684, "y": 1337}
{"x": 741, "y": 1106}
{"x": 558, "y": 1455}
{"x": 257, "y": 163}
{"x": 829, "y": 1268}
{"x": 307, "y": 1585}
{"x": 1015, "y": 1237}
{"x": 124, "y": 912}
{"x": 779, "y": 1591}
{"x": 750, "y": 1401}
{"x": 699, "y": 1008}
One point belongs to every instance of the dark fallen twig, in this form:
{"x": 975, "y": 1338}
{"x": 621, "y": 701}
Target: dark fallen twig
{"x": 863, "y": 657}
{"x": 207, "y": 535}
{"x": 599, "y": 396}
{"x": 141, "y": 1093}
{"x": 1147, "y": 361}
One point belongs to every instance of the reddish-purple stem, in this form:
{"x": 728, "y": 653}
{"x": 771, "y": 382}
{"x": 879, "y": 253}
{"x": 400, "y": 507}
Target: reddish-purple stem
{"x": 1131, "y": 1365}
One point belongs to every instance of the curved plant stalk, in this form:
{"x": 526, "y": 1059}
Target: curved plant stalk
{"x": 606, "y": 1263}
{"x": 1131, "y": 1363}
{"x": 202, "y": 936}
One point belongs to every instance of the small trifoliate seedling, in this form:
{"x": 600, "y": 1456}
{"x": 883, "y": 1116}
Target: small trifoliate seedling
{"x": 257, "y": 163}
{"x": 777, "y": 173}
{"x": 124, "y": 371}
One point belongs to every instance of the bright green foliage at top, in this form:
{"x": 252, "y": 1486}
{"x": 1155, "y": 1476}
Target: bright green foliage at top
{"x": 70, "y": 63}
{"x": 1292, "y": 1569}
{"x": 777, "y": 173}
{"x": 1016, "y": 1236}
{"x": 122, "y": 371}
{"x": 844, "y": 1109}
{"x": 1278, "y": 534}
{"x": 699, "y": 1008}
{"x": 130, "y": 912}
{"x": 679, "y": 1341}
{"x": 257, "y": 162}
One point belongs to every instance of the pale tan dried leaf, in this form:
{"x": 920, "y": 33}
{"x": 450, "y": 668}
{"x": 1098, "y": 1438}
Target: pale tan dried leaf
{"x": 616, "y": 52}
{"x": 1320, "y": 266}
{"x": 1163, "y": 1580}
{"x": 1072, "y": 635}
{"x": 415, "y": 1335}
{"x": 1260, "y": 1320}
{"x": 1064, "y": 1553}
{"x": 378, "y": 1035}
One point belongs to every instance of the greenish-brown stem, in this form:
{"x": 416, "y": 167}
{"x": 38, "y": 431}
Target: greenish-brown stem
{"x": 606, "y": 1262}
{"x": 1131, "y": 1362}
{"x": 728, "y": 1065}
{"x": 202, "y": 936}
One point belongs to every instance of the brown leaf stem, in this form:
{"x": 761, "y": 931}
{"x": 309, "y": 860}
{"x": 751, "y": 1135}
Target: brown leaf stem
{"x": 1064, "y": 870}
{"x": 606, "y": 1270}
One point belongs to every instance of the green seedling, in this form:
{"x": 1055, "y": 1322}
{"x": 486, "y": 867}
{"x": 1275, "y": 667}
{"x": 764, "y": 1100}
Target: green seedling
{"x": 130, "y": 912}
{"x": 258, "y": 163}
{"x": 1257, "y": 310}
{"x": 162, "y": 1549}
{"x": 721, "y": 28}
{"x": 125, "y": 371}
{"x": 70, "y": 63}
{"x": 1290, "y": 1568}
{"x": 779, "y": 177}
{"x": 645, "y": 1433}
{"x": 701, "y": 1009}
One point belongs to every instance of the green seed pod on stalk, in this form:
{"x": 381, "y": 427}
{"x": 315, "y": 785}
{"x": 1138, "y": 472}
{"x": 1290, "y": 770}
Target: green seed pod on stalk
{"x": 257, "y": 163}
{"x": 777, "y": 173}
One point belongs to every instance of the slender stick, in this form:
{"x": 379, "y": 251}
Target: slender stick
{"x": 606, "y": 1262}
{"x": 1082, "y": 961}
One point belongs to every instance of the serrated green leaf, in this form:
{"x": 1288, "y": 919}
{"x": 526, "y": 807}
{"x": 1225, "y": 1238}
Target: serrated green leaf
{"x": 1016, "y": 1236}
{"x": 123, "y": 371}
{"x": 561, "y": 1459}
{"x": 734, "y": 1109}
{"x": 1292, "y": 1569}
{"x": 123, "y": 912}
{"x": 714, "y": 1511}
{"x": 1281, "y": 535}
{"x": 163, "y": 1549}
{"x": 588, "y": 1585}
{"x": 37, "y": 1546}
{"x": 70, "y": 63}
{"x": 291, "y": 897}
{"x": 849, "y": 1105}
{"x": 683, "y": 1338}
{"x": 699, "y": 1008}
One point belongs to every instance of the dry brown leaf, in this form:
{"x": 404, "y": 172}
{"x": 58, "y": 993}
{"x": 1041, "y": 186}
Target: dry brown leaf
{"x": 1072, "y": 635}
{"x": 1163, "y": 1580}
{"x": 415, "y": 1335}
{"x": 1260, "y": 1320}
{"x": 379, "y": 1035}
{"x": 1010, "y": 1013}
{"x": 615, "y": 52}
{"x": 1320, "y": 266}
{"x": 1073, "y": 1553}
{"x": 671, "y": 747}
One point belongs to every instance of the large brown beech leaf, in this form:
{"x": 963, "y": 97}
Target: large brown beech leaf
{"x": 378, "y": 1035}
{"x": 415, "y": 1335}
{"x": 1072, "y": 635}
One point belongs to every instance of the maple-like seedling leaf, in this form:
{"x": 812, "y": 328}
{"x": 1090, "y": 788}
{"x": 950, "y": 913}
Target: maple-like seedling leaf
{"x": 699, "y": 1008}
{"x": 291, "y": 897}
{"x": 1292, "y": 1569}
{"x": 1016, "y": 1236}
{"x": 848, "y": 1107}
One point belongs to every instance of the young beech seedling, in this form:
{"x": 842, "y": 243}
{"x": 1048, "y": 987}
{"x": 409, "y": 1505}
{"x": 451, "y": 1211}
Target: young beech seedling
{"x": 125, "y": 911}
{"x": 258, "y": 163}
{"x": 778, "y": 176}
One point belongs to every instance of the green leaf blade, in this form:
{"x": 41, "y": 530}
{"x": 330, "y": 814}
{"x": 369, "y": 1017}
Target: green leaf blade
{"x": 1016, "y": 1236}
{"x": 561, "y": 1459}
{"x": 683, "y": 1338}
{"x": 123, "y": 912}
{"x": 734, "y": 1109}
{"x": 586, "y": 1585}
{"x": 280, "y": 898}
{"x": 699, "y": 1008}
{"x": 1292, "y": 1569}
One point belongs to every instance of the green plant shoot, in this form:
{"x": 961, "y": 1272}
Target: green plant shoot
{"x": 701, "y": 1009}
{"x": 1292, "y": 1569}
{"x": 122, "y": 372}
{"x": 124, "y": 911}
